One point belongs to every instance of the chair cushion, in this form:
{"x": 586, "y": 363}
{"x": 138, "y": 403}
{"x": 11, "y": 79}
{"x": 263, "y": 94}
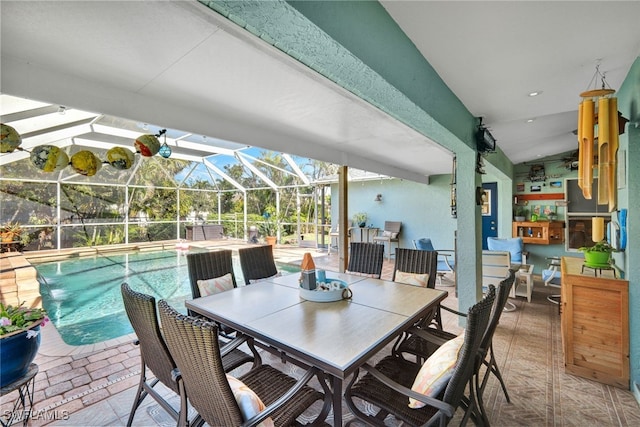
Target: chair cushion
{"x": 252, "y": 281}
{"x": 389, "y": 234}
{"x": 513, "y": 245}
{"x": 437, "y": 370}
{"x": 415, "y": 279}
{"x": 248, "y": 401}
{"x": 215, "y": 285}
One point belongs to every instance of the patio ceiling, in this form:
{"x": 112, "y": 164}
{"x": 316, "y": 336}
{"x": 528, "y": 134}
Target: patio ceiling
{"x": 181, "y": 66}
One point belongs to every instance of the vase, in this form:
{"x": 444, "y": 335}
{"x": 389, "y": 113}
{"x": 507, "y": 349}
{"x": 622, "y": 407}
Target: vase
{"x": 362, "y": 224}
{"x": 271, "y": 240}
{"x": 17, "y": 351}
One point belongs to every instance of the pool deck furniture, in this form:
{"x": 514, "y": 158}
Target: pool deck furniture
{"x": 325, "y": 335}
{"x": 23, "y": 405}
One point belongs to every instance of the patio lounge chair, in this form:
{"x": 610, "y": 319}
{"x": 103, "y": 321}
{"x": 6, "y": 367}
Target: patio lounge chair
{"x": 154, "y": 354}
{"x": 446, "y": 257}
{"x": 194, "y": 345}
{"x": 257, "y": 263}
{"x": 366, "y": 259}
{"x": 387, "y": 386}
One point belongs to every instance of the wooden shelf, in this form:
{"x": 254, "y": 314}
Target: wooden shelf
{"x": 541, "y": 196}
{"x": 539, "y": 232}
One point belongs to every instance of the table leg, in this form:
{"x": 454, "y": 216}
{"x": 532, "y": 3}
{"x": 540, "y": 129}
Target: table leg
{"x": 336, "y": 387}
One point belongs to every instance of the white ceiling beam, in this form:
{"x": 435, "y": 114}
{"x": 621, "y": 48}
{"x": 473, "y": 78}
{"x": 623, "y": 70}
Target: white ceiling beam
{"x": 256, "y": 171}
{"x": 219, "y": 171}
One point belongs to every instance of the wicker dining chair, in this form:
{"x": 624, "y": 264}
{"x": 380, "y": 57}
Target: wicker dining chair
{"x": 257, "y": 262}
{"x": 424, "y": 343}
{"x": 207, "y": 265}
{"x": 420, "y": 262}
{"x": 366, "y": 258}
{"x": 154, "y": 354}
{"x": 387, "y": 386}
{"x": 193, "y": 343}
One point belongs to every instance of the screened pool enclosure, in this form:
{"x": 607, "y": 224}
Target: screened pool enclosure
{"x": 249, "y": 191}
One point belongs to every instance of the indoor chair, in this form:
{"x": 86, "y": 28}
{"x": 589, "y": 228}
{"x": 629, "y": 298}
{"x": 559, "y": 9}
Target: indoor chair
{"x": 390, "y": 234}
{"x": 194, "y": 346}
{"x": 366, "y": 259}
{"x": 446, "y": 257}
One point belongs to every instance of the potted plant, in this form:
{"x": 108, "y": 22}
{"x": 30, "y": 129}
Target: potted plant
{"x": 10, "y": 232}
{"x": 520, "y": 213}
{"x": 269, "y": 228}
{"x": 360, "y": 218}
{"x": 19, "y": 340}
{"x": 598, "y": 254}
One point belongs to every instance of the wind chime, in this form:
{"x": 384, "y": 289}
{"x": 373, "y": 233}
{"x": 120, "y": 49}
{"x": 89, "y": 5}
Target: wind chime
{"x": 598, "y": 128}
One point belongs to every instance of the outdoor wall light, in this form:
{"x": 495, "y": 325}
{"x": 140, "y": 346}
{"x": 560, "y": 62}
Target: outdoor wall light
{"x": 378, "y": 198}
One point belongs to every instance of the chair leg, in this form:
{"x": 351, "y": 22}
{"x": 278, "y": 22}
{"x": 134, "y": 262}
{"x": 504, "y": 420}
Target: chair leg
{"x": 140, "y": 395}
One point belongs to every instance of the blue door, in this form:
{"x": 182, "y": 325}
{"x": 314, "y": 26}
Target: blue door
{"x": 489, "y": 212}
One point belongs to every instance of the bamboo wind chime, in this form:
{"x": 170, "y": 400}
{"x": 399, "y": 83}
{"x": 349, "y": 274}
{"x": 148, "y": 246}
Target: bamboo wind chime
{"x": 606, "y": 119}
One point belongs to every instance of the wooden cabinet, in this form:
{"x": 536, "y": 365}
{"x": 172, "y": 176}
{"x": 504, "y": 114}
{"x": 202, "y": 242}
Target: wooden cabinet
{"x": 539, "y": 232}
{"x": 595, "y": 323}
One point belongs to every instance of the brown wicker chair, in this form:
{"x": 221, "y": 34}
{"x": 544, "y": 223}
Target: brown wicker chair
{"x": 387, "y": 386}
{"x": 154, "y": 354}
{"x": 194, "y": 346}
{"x": 366, "y": 258}
{"x": 206, "y": 265}
{"x": 257, "y": 263}
{"x": 426, "y": 341}
{"x": 417, "y": 261}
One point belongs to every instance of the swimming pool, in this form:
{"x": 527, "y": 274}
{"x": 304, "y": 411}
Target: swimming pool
{"x": 82, "y": 295}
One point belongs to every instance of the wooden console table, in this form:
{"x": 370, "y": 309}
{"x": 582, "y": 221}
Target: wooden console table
{"x": 595, "y": 324}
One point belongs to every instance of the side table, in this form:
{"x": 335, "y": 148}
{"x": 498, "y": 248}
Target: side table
{"x": 24, "y": 403}
{"x": 523, "y": 285}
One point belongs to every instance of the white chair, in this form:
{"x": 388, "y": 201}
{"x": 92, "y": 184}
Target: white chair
{"x": 523, "y": 285}
{"x": 495, "y": 268}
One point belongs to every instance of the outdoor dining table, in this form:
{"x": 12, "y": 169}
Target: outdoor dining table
{"x": 336, "y": 337}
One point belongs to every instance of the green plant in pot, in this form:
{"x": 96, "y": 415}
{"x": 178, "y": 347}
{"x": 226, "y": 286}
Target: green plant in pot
{"x": 520, "y": 214}
{"x": 598, "y": 254}
{"x": 360, "y": 219}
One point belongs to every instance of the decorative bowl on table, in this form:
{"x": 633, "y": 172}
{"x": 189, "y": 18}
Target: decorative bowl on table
{"x": 329, "y": 291}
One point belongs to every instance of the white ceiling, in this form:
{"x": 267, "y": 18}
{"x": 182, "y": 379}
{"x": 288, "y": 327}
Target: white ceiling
{"x": 492, "y": 54}
{"x": 170, "y": 64}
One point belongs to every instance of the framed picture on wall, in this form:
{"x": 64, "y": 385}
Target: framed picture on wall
{"x": 520, "y": 187}
{"x": 555, "y": 184}
{"x": 536, "y": 188}
{"x": 486, "y": 202}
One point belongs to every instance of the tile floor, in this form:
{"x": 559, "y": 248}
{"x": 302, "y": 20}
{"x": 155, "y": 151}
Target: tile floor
{"x": 95, "y": 386}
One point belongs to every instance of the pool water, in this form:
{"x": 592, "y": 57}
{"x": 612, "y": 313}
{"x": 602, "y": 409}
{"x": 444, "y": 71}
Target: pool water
{"x": 83, "y": 299}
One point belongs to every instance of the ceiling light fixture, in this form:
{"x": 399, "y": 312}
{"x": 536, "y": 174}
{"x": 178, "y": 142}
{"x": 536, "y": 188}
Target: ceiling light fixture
{"x": 531, "y": 120}
{"x": 535, "y": 93}
{"x": 62, "y": 109}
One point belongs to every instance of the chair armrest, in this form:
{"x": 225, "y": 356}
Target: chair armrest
{"x": 444, "y": 407}
{"x": 451, "y": 310}
{"x": 269, "y": 410}
{"x": 431, "y": 335}
{"x": 233, "y": 344}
